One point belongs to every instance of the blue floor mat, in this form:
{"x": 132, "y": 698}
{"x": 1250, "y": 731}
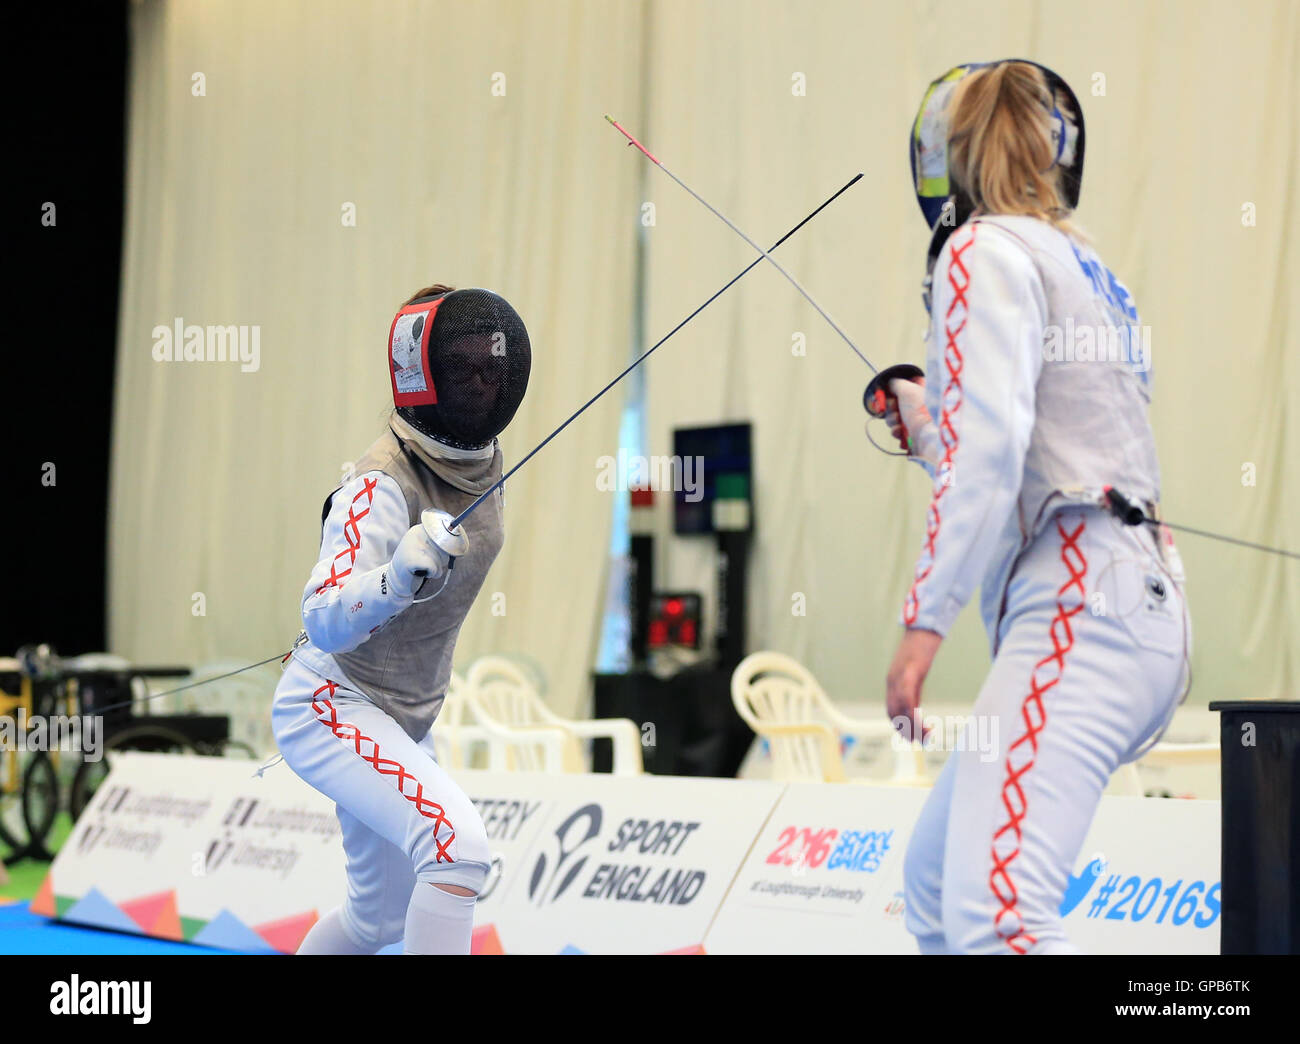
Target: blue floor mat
{"x": 22, "y": 931}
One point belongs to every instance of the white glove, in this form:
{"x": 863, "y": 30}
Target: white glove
{"x": 911, "y": 422}
{"x": 426, "y": 552}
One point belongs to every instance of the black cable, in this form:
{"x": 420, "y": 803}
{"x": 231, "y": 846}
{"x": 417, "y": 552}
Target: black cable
{"x": 1132, "y": 514}
{"x": 1220, "y": 536}
{"x": 192, "y": 685}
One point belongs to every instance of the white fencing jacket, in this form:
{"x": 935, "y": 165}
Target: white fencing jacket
{"x": 396, "y": 651}
{"x": 1038, "y": 380}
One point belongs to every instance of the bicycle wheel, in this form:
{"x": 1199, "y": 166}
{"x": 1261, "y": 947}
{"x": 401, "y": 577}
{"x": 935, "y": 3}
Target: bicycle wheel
{"x": 227, "y": 748}
{"x": 40, "y": 802}
{"x": 233, "y": 748}
{"x": 13, "y": 832}
{"x": 90, "y": 774}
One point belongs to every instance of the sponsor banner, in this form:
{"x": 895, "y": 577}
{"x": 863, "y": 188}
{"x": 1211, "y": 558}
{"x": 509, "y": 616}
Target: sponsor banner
{"x": 618, "y": 864}
{"x": 514, "y": 808}
{"x": 825, "y": 874}
{"x": 201, "y": 850}
{"x": 1147, "y": 879}
{"x": 204, "y": 850}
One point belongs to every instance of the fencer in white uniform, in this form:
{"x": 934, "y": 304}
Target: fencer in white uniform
{"x": 1034, "y": 404}
{"x": 382, "y": 611}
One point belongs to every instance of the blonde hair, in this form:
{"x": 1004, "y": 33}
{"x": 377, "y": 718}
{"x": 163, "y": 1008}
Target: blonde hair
{"x": 1000, "y": 148}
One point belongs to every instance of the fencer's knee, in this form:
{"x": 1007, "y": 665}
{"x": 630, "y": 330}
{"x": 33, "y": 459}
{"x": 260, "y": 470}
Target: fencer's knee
{"x": 462, "y": 877}
{"x": 979, "y": 923}
{"x": 454, "y": 851}
{"x": 989, "y": 936}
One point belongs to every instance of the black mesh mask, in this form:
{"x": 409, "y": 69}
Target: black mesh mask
{"x": 460, "y": 366}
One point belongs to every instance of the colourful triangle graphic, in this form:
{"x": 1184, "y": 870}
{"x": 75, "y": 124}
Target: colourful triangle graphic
{"x": 287, "y": 934}
{"x": 98, "y": 909}
{"x": 570, "y": 949}
{"x": 486, "y": 942}
{"x": 696, "y": 950}
{"x": 168, "y": 923}
{"x": 44, "y": 903}
{"x": 191, "y": 926}
{"x": 228, "y": 932}
{"x": 64, "y": 903}
{"x": 155, "y": 914}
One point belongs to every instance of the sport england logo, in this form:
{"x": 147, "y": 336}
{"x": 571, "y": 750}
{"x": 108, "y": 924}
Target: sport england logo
{"x": 571, "y": 835}
{"x": 651, "y": 869}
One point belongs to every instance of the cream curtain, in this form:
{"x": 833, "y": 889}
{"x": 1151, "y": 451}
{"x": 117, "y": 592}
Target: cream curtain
{"x": 1198, "y": 119}
{"x": 235, "y": 216}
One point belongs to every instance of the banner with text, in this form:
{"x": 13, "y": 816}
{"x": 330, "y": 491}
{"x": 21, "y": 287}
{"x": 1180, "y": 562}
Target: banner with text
{"x": 826, "y": 876}
{"x": 207, "y": 851}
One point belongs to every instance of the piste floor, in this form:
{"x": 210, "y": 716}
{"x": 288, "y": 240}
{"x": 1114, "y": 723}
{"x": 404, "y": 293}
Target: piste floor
{"x": 22, "y": 931}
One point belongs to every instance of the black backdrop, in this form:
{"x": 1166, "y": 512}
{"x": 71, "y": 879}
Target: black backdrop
{"x": 67, "y": 70}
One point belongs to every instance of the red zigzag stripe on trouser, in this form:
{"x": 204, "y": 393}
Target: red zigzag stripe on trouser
{"x": 368, "y": 750}
{"x": 1021, "y": 755}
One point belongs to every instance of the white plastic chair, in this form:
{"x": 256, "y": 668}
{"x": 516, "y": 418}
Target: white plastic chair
{"x": 526, "y": 735}
{"x": 781, "y": 701}
{"x": 1166, "y": 754}
{"x": 95, "y": 661}
{"x": 1127, "y": 781}
{"x": 457, "y": 740}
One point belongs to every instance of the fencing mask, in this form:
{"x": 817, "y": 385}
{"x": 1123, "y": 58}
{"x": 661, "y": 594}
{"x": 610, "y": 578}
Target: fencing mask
{"x": 945, "y": 207}
{"x": 459, "y": 364}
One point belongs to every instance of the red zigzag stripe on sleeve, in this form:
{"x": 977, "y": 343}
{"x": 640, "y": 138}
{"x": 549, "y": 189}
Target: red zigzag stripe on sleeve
{"x": 950, "y": 400}
{"x": 352, "y": 535}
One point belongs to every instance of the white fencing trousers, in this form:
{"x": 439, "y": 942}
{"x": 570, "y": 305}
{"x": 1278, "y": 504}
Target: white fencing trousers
{"x": 1091, "y": 663}
{"x": 404, "y": 819}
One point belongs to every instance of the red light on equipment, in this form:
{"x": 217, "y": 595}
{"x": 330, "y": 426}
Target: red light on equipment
{"x": 674, "y": 621}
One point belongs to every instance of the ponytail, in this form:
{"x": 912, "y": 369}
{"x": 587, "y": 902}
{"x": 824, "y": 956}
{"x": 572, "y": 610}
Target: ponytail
{"x": 1000, "y": 147}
